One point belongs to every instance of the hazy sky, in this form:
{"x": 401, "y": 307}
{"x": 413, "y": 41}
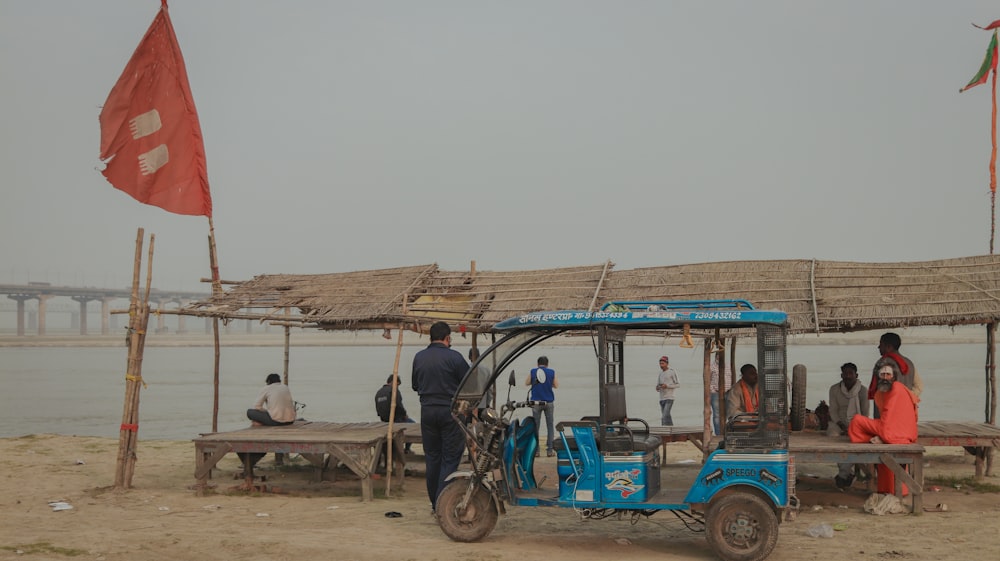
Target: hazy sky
{"x": 345, "y": 136}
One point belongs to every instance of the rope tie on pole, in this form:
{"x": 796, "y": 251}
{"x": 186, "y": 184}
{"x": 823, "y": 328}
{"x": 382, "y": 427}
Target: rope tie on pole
{"x": 686, "y": 341}
{"x": 131, "y": 378}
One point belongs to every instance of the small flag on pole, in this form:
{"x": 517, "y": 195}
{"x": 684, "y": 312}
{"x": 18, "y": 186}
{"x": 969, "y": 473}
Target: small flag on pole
{"x": 989, "y": 63}
{"x": 993, "y": 25}
{"x": 151, "y": 141}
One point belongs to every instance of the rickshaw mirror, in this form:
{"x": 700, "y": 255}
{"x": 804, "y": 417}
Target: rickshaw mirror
{"x": 511, "y": 380}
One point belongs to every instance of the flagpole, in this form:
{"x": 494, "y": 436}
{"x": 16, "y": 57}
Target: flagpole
{"x": 991, "y": 378}
{"x": 993, "y": 166}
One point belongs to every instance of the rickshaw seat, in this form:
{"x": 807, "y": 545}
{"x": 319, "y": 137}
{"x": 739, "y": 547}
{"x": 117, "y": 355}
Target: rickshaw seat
{"x": 570, "y": 440}
{"x": 617, "y": 436}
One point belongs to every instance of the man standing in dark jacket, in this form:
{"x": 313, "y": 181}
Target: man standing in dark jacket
{"x": 437, "y": 371}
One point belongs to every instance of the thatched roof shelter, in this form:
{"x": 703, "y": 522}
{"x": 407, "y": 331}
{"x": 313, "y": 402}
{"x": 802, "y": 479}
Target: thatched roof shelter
{"x": 819, "y": 296}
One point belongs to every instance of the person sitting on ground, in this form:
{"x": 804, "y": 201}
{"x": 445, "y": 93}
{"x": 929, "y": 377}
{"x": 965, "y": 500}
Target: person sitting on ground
{"x": 897, "y": 423}
{"x": 383, "y": 404}
{"x": 744, "y": 396}
{"x": 848, "y": 398}
{"x": 274, "y": 406}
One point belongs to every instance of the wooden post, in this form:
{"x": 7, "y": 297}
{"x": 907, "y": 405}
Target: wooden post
{"x": 138, "y": 320}
{"x": 991, "y": 387}
{"x": 392, "y": 404}
{"x": 216, "y": 290}
{"x": 706, "y": 375}
{"x": 288, "y": 340}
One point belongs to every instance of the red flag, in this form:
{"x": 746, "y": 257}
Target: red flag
{"x": 150, "y": 137}
{"x": 993, "y": 25}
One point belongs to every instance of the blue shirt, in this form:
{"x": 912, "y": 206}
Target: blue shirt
{"x": 437, "y": 371}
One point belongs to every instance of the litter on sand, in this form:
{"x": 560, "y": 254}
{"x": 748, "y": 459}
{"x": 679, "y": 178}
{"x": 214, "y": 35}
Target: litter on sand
{"x": 60, "y": 505}
{"x": 881, "y": 504}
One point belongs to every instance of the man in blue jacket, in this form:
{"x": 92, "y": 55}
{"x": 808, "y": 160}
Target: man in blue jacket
{"x": 542, "y": 381}
{"x": 437, "y": 371}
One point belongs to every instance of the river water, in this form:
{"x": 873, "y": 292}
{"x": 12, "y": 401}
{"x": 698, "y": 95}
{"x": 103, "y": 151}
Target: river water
{"x": 80, "y": 390}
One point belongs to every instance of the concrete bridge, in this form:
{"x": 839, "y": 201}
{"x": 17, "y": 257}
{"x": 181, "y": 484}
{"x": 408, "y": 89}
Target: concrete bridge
{"x": 43, "y": 292}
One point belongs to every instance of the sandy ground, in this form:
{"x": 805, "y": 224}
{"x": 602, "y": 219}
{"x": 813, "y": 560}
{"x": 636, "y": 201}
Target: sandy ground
{"x": 162, "y": 518}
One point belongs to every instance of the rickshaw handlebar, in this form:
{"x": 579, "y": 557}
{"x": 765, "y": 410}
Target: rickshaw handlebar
{"x": 528, "y": 403}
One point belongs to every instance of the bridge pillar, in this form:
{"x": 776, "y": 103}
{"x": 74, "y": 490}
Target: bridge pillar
{"x": 83, "y": 311}
{"x": 161, "y": 320}
{"x": 42, "y": 305}
{"x": 105, "y": 316}
{"x": 181, "y": 323}
{"x": 20, "y": 298}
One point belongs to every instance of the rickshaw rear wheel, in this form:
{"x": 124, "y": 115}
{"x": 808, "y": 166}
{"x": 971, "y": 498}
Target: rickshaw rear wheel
{"x": 741, "y": 527}
{"x": 469, "y": 524}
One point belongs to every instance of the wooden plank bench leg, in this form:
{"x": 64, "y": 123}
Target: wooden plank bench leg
{"x": 915, "y": 482}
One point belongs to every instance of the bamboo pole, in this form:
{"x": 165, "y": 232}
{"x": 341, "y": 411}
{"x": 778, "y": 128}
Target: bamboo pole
{"x": 991, "y": 388}
{"x": 288, "y": 341}
{"x": 392, "y": 405}
{"x": 216, "y": 290}
{"x": 138, "y": 318}
{"x": 991, "y": 373}
{"x": 137, "y": 372}
{"x": 993, "y": 161}
{"x": 706, "y": 375}
{"x": 130, "y": 382}
{"x": 392, "y": 414}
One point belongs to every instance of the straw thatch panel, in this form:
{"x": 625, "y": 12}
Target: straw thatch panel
{"x": 344, "y": 299}
{"x": 772, "y": 285}
{"x": 832, "y": 296}
{"x": 819, "y": 296}
{"x": 862, "y": 296}
{"x": 498, "y": 295}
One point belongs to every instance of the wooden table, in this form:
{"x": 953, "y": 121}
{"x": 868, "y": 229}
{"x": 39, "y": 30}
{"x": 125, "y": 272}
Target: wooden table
{"x": 693, "y": 434}
{"x": 818, "y": 448}
{"x": 357, "y": 445}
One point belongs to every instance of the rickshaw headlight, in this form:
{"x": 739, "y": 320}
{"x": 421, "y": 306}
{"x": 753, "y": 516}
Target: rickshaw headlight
{"x": 489, "y": 415}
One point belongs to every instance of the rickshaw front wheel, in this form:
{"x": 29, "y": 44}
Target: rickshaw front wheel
{"x": 469, "y": 524}
{"x": 741, "y": 527}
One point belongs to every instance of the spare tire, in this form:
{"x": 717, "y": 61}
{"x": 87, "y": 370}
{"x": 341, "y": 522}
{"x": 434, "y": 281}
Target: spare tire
{"x": 798, "y": 413}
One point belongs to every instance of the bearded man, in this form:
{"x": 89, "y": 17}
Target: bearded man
{"x": 897, "y": 423}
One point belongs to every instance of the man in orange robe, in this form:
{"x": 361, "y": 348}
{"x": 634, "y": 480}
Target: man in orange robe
{"x": 897, "y": 423}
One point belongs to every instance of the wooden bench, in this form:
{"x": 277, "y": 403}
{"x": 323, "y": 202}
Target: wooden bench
{"x": 817, "y": 448}
{"x": 357, "y": 445}
{"x": 693, "y": 434}
{"x": 982, "y": 436}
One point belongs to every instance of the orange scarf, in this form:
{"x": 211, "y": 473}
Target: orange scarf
{"x": 750, "y": 400}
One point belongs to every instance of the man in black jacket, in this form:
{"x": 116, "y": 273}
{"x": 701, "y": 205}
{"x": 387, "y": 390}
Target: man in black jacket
{"x": 383, "y": 404}
{"x": 437, "y": 371}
